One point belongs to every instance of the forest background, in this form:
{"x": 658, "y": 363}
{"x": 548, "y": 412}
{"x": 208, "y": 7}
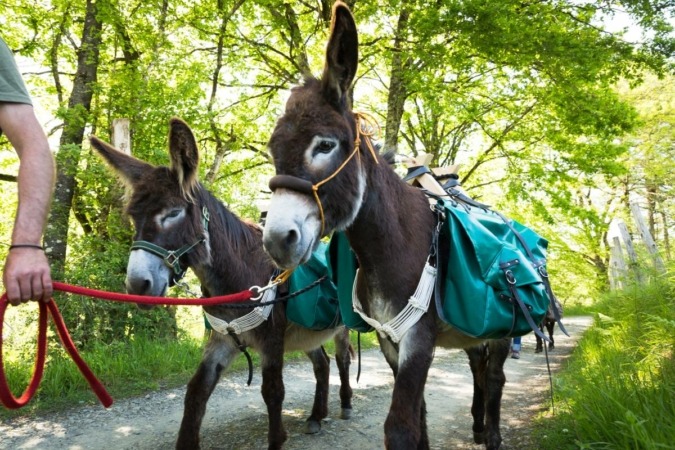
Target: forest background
{"x": 559, "y": 115}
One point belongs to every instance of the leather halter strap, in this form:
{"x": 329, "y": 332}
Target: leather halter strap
{"x": 303, "y": 186}
{"x": 293, "y": 183}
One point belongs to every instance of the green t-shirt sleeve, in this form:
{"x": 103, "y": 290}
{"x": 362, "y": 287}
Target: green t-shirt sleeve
{"x": 12, "y": 87}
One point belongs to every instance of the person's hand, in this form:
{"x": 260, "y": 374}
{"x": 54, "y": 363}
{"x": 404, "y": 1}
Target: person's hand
{"x": 27, "y": 276}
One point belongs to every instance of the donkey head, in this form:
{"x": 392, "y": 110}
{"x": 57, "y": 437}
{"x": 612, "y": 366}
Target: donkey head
{"x": 314, "y": 194}
{"x": 171, "y": 232}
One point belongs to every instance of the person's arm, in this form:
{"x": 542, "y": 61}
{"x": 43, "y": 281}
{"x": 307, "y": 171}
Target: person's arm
{"x": 27, "y": 274}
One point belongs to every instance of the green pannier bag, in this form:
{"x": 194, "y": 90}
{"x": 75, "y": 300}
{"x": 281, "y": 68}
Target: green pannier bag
{"x": 494, "y": 283}
{"x": 342, "y": 268}
{"x": 316, "y": 309}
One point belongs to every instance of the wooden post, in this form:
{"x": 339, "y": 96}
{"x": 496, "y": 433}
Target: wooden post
{"x": 612, "y": 272}
{"x": 121, "y": 136}
{"x": 427, "y": 181}
{"x": 618, "y": 264}
{"x": 647, "y": 237}
{"x": 632, "y": 255}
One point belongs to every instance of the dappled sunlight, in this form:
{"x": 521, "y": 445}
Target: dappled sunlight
{"x": 125, "y": 430}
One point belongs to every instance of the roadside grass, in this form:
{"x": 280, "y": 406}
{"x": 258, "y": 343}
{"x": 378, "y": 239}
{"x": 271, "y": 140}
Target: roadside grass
{"x": 126, "y": 369}
{"x": 618, "y": 389}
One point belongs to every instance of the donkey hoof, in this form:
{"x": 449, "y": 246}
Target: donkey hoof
{"x": 346, "y": 413}
{"x": 538, "y": 350}
{"x": 479, "y": 438}
{"x": 312, "y": 427}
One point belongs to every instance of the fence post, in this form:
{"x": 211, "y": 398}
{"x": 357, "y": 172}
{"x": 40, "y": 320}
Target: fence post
{"x": 617, "y": 265}
{"x": 633, "y": 264}
{"x": 647, "y": 237}
{"x": 121, "y": 136}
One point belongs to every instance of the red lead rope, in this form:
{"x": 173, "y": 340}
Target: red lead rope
{"x": 6, "y": 396}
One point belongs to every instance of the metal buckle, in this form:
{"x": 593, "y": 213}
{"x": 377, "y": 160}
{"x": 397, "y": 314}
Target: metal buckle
{"x": 261, "y": 290}
{"x": 171, "y": 260}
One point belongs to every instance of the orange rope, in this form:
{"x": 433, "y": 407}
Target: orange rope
{"x": 375, "y": 130}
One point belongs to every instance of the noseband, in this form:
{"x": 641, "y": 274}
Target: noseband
{"x": 303, "y": 186}
{"x": 172, "y": 257}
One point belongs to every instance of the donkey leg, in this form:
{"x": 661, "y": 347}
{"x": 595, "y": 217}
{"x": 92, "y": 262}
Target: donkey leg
{"x": 540, "y": 342}
{"x": 498, "y": 351}
{"x": 403, "y": 428}
{"x": 343, "y": 358}
{"x": 321, "y": 365}
{"x": 478, "y": 364}
{"x": 550, "y": 325}
{"x": 218, "y": 354}
{"x": 273, "y": 391}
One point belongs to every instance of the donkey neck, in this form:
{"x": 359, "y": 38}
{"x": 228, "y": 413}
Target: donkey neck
{"x": 392, "y": 232}
{"x": 237, "y": 257}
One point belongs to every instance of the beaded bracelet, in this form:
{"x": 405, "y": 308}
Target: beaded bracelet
{"x": 37, "y": 247}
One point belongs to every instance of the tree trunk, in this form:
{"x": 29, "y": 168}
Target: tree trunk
{"x": 666, "y": 235}
{"x": 223, "y": 144}
{"x": 397, "y": 87}
{"x": 70, "y": 146}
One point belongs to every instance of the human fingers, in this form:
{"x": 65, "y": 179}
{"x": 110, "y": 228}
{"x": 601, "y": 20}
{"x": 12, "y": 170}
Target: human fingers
{"x": 25, "y": 287}
{"x": 47, "y": 286}
{"x": 11, "y": 284}
{"x": 13, "y": 292}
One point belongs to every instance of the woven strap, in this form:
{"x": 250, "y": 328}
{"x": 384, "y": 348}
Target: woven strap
{"x": 417, "y": 305}
{"x": 248, "y": 321}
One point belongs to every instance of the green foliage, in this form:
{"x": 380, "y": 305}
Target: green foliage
{"x": 93, "y": 320}
{"x": 619, "y": 388}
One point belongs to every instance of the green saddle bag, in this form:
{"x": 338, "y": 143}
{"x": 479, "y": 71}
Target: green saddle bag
{"x": 317, "y": 308}
{"x": 494, "y": 282}
{"x": 342, "y": 268}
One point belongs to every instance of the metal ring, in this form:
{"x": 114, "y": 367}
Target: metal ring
{"x": 261, "y": 290}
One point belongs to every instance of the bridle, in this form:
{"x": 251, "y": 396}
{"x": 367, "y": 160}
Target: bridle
{"x": 303, "y": 186}
{"x": 172, "y": 257}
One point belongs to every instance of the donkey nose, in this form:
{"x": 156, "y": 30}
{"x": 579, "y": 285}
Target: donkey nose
{"x": 138, "y": 285}
{"x": 280, "y": 243}
{"x": 292, "y": 238}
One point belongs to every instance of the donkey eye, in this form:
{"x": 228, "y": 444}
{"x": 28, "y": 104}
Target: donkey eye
{"x": 324, "y": 146}
{"x": 171, "y": 217}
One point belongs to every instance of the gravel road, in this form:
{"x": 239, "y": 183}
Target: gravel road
{"x": 236, "y": 417}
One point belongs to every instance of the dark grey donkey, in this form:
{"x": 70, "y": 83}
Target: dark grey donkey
{"x": 170, "y": 208}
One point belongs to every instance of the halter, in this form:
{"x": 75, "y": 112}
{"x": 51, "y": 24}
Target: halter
{"x": 303, "y": 186}
{"x": 172, "y": 257}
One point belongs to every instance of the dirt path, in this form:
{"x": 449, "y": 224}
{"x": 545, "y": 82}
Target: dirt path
{"x": 236, "y": 416}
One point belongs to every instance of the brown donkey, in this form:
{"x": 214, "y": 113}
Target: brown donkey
{"x": 330, "y": 178}
{"x": 172, "y": 210}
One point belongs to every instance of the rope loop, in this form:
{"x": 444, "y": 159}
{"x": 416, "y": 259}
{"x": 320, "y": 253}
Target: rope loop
{"x": 46, "y": 309}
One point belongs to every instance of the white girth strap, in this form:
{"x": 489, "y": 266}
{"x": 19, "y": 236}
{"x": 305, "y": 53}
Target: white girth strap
{"x": 417, "y": 305}
{"x": 248, "y": 321}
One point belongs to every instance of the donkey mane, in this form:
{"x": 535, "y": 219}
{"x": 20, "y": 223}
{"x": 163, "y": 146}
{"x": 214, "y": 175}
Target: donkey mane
{"x": 240, "y": 234}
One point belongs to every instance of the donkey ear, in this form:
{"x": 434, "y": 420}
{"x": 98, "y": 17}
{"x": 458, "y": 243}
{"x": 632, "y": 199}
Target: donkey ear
{"x": 184, "y": 154}
{"x": 130, "y": 169}
{"x": 342, "y": 54}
